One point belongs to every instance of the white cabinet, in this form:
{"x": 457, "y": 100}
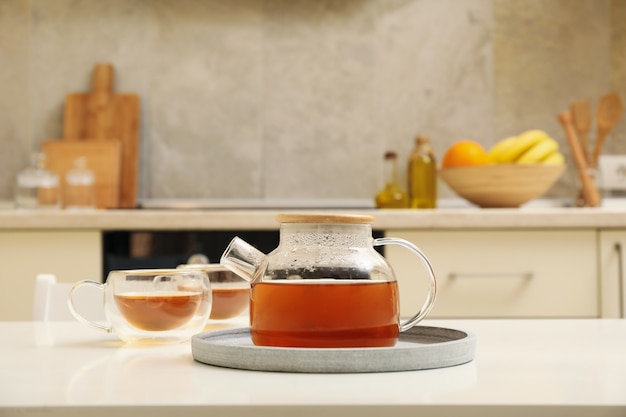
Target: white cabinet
{"x": 501, "y": 273}
{"x": 70, "y": 255}
{"x": 482, "y": 273}
{"x": 612, "y": 260}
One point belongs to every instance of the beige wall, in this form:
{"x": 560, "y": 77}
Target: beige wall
{"x": 299, "y": 98}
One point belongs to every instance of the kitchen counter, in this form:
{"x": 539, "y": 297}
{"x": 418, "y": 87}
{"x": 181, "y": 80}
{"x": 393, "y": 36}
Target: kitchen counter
{"x": 522, "y": 367}
{"x": 265, "y": 219}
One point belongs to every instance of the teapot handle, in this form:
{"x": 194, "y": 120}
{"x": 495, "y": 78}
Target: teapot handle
{"x": 432, "y": 291}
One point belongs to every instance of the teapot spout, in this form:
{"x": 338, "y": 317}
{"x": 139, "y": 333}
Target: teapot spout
{"x": 244, "y": 259}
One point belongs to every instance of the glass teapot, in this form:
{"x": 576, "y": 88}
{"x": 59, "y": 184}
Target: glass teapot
{"x": 324, "y": 286}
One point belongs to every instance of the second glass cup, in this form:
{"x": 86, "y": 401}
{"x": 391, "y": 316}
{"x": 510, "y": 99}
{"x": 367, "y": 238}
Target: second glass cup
{"x": 231, "y": 293}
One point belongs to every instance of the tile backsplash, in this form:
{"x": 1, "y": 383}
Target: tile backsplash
{"x": 301, "y": 98}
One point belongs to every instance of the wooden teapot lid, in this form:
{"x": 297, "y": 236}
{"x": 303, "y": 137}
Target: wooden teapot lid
{"x": 325, "y": 218}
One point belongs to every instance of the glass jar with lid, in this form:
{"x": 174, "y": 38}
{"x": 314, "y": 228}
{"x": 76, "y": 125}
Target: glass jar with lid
{"x": 80, "y": 190}
{"x": 37, "y": 187}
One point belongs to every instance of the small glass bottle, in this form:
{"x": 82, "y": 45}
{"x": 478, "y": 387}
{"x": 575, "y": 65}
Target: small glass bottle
{"x": 392, "y": 195}
{"x": 37, "y": 188}
{"x": 79, "y": 186}
{"x": 422, "y": 175}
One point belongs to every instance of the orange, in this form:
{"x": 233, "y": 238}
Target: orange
{"x": 464, "y": 153}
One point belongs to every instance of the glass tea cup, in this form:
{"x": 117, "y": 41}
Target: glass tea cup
{"x": 151, "y": 305}
{"x": 231, "y": 293}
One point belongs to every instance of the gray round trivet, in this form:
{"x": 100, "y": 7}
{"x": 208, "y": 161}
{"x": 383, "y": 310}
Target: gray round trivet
{"x": 418, "y": 348}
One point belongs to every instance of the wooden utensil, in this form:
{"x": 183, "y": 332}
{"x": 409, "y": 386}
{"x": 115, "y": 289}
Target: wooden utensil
{"x": 609, "y": 111}
{"x": 581, "y": 117}
{"x": 590, "y": 192}
{"x": 104, "y": 159}
{"x": 101, "y": 114}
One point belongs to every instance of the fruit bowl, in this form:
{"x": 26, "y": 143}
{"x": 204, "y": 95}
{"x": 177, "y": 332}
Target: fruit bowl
{"x": 501, "y": 185}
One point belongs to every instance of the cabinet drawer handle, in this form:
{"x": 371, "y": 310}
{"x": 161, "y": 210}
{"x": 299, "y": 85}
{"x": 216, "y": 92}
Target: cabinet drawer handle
{"x": 520, "y": 275}
{"x": 620, "y": 277}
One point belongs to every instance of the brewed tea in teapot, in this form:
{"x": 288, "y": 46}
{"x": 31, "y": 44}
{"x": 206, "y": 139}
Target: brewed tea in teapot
{"x": 324, "y": 285}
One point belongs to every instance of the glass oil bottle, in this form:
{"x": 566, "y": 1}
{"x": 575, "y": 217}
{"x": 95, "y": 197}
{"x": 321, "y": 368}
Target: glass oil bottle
{"x": 422, "y": 175}
{"x": 392, "y": 195}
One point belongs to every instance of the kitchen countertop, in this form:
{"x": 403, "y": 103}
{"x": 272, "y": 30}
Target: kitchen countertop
{"x": 522, "y": 367}
{"x": 265, "y": 219}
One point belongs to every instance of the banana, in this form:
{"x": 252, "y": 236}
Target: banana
{"x": 556, "y": 158}
{"x": 496, "y": 151}
{"x": 539, "y": 151}
{"x": 521, "y": 144}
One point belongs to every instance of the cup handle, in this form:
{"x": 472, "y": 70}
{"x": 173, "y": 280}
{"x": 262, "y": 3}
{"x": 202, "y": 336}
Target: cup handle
{"x": 432, "y": 291}
{"x": 76, "y": 313}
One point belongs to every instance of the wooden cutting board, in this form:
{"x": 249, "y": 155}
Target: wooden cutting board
{"x": 104, "y": 159}
{"x": 101, "y": 114}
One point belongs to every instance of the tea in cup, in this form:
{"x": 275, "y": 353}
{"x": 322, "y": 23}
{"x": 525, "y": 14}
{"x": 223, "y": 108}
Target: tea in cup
{"x": 151, "y": 305}
{"x": 231, "y": 293}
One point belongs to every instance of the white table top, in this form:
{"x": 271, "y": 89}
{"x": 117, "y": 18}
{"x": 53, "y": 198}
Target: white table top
{"x": 522, "y": 367}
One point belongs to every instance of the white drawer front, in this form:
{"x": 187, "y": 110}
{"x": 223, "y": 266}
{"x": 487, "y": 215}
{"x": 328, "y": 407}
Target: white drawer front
{"x": 501, "y": 273}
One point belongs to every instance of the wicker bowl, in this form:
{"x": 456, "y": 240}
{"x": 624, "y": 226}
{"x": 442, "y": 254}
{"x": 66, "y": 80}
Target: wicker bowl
{"x": 501, "y": 185}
